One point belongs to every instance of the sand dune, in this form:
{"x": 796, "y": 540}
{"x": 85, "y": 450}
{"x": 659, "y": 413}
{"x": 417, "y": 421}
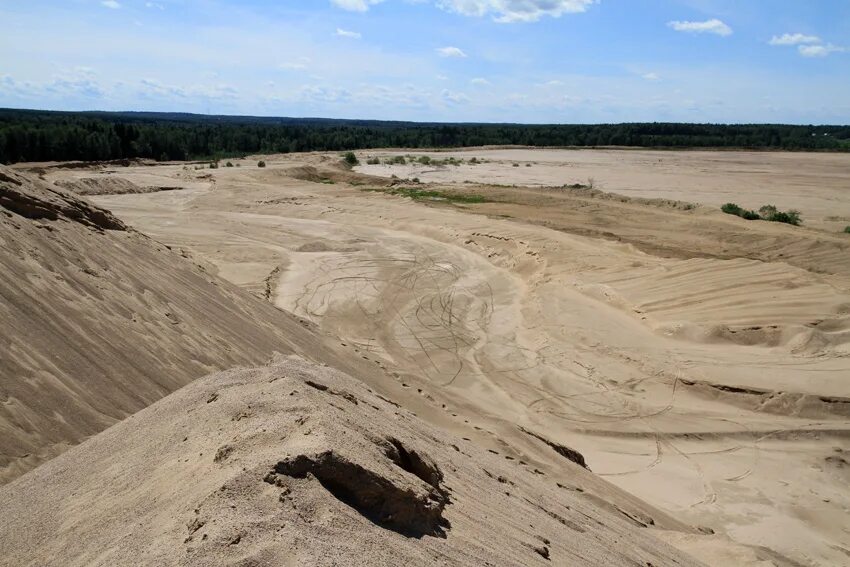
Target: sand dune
{"x": 297, "y": 464}
{"x": 99, "y": 321}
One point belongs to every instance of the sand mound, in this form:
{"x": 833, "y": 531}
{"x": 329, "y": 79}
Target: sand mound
{"x": 297, "y": 464}
{"x": 331, "y": 173}
{"x": 99, "y": 321}
{"x": 106, "y": 185}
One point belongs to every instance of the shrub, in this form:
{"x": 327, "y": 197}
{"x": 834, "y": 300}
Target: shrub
{"x": 733, "y": 209}
{"x": 790, "y": 217}
{"x": 228, "y": 164}
{"x": 350, "y": 158}
{"x": 847, "y": 229}
{"x": 261, "y": 164}
{"x": 528, "y": 165}
{"x": 516, "y": 165}
{"x": 415, "y": 180}
{"x": 213, "y": 165}
{"x": 398, "y": 160}
{"x": 373, "y": 161}
{"x": 424, "y": 160}
{"x": 767, "y": 212}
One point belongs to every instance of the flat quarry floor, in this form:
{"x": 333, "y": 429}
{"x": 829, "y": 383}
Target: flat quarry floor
{"x": 817, "y": 185}
{"x": 697, "y": 360}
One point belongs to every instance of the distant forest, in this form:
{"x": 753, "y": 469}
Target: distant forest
{"x": 33, "y": 135}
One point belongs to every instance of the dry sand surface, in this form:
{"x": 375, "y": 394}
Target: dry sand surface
{"x": 818, "y": 185}
{"x": 297, "y": 464}
{"x": 99, "y": 321}
{"x": 696, "y": 360}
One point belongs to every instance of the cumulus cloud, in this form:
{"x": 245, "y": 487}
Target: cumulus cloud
{"x": 807, "y": 45}
{"x": 819, "y": 50}
{"x": 793, "y": 39}
{"x": 346, "y": 33}
{"x": 355, "y": 5}
{"x": 110, "y": 4}
{"x": 510, "y": 11}
{"x": 480, "y": 82}
{"x": 451, "y": 52}
{"x": 451, "y": 97}
{"x": 714, "y": 26}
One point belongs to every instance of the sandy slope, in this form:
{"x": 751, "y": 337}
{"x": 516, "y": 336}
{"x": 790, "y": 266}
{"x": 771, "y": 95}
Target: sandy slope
{"x": 695, "y": 359}
{"x": 98, "y": 321}
{"x": 296, "y": 464}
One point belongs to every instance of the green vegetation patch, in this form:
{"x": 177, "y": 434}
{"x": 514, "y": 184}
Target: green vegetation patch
{"x": 767, "y": 212}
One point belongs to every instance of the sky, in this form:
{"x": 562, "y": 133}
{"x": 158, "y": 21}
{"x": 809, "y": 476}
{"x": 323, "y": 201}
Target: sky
{"x": 531, "y": 61}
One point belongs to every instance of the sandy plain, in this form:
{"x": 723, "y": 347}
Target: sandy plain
{"x": 698, "y": 361}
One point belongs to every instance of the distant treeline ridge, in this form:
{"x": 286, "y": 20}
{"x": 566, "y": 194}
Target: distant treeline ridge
{"x": 33, "y": 135}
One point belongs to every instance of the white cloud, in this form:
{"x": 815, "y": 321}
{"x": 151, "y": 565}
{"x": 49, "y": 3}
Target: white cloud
{"x": 451, "y": 52}
{"x": 110, "y": 4}
{"x": 355, "y": 5}
{"x": 480, "y": 82}
{"x": 651, "y": 77}
{"x": 156, "y": 5}
{"x": 346, "y": 33}
{"x": 451, "y": 97}
{"x": 510, "y": 11}
{"x": 819, "y": 50}
{"x": 714, "y": 26}
{"x": 793, "y": 39}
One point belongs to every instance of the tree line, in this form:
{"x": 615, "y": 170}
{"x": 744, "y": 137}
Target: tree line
{"x": 33, "y": 135}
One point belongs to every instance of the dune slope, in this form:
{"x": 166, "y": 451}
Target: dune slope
{"x": 98, "y": 321}
{"x": 298, "y": 464}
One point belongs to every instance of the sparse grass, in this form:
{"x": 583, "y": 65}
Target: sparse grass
{"x": 327, "y": 181}
{"x": 418, "y": 194}
{"x": 767, "y": 212}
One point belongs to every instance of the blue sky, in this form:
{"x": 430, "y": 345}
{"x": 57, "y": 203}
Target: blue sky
{"x": 558, "y": 61}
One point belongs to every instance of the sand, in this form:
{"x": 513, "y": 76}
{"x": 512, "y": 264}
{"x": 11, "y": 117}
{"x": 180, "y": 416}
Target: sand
{"x": 298, "y": 464}
{"x": 815, "y": 184}
{"x": 696, "y": 360}
{"x": 99, "y": 321}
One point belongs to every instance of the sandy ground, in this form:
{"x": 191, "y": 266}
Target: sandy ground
{"x": 697, "y": 360}
{"x": 818, "y": 185}
{"x": 298, "y": 464}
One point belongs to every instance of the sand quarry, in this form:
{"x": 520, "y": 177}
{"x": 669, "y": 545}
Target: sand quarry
{"x": 697, "y": 363}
